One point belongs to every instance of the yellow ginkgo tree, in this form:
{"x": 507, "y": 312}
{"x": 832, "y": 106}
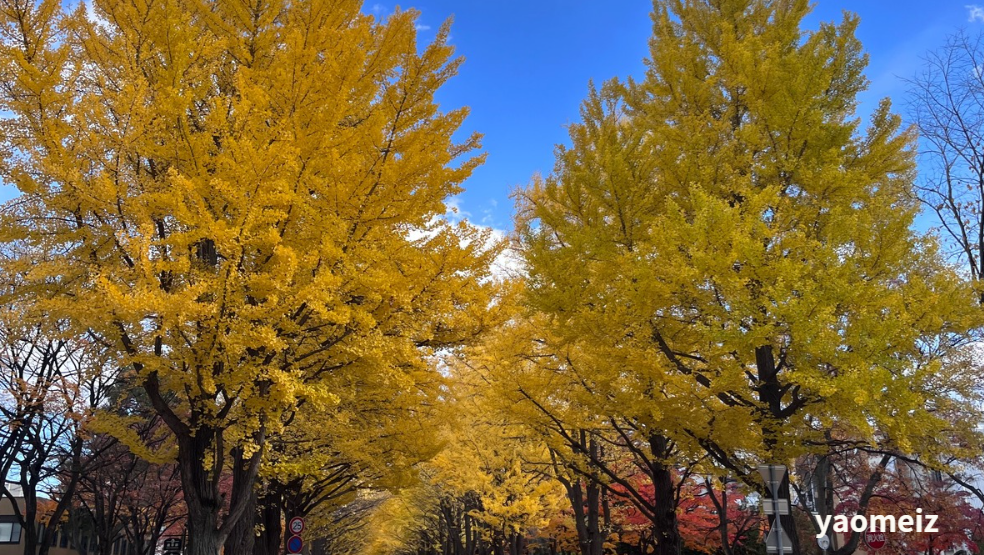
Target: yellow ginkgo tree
{"x": 242, "y": 200}
{"x": 731, "y": 251}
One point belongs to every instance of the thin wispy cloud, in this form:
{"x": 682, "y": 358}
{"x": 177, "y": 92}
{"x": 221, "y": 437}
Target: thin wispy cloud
{"x": 420, "y": 27}
{"x": 487, "y": 217}
{"x": 378, "y": 8}
{"x": 975, "y": 13}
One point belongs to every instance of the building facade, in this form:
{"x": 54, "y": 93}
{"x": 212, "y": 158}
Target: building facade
{"x": 12, "y": 536}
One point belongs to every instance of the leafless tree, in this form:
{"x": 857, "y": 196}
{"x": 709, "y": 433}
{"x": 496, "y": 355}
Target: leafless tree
{"x": 946, "y": 103}
{"x": 49, "y": 387}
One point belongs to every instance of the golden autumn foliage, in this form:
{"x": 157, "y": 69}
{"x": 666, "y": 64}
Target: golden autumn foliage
{"x": 241, "y": 207}
{"x": 724, "y": 254}
{"x": 244, "y": 202}
{"x": 488, "y": 490}
{"x": 726, "y": 230}
{"x": 492, "y": 454}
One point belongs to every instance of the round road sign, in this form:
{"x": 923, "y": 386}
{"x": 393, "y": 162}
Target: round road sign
{"x": 294, "y": 544}
{"x": 296, "y": 525}
{"x": 823, "y": 542}
{"x": 874, "y": 539}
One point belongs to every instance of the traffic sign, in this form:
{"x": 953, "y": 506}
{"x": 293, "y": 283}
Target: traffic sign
{"x": 296, "y": 525}
{"x": 772, "y": 475}
{"x": 874, "y": 539}
{"x": 294, "y": 544}
{"x": 775, "y": 506}
{"x": 772, "y": 542}
{"x": 777, "y": 541}
{"x": 172, "y": 544}
{"x": 823, "y": 542}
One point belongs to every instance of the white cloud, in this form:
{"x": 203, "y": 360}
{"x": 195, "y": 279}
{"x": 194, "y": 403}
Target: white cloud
{"x": 94, "y": 18}
{"x": 420, "y": 27}
{"x": 974, "y": 13}
{"x": 379, "y": 8}
{"x": 455, "y": 213}
{"x": 509, "y": 264}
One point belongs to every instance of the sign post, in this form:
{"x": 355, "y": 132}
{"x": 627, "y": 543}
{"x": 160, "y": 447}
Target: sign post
{"x": 777, "y": 541}
{"x": 294, "y": 543}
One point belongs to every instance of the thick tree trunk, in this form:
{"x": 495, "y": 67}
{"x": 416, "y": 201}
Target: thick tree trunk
{"x": 201, "y": 493}
{"x": 271, "y": 535}
{"x": 666, "y": 535}
{"x": 243, "y": 535}
{"x": 515, "y": 544}
{"x": 200, "y": 485}
{"x": 770, "y": 393}
{"x": 203, "y": 537}
{"x": 787, "y": 521}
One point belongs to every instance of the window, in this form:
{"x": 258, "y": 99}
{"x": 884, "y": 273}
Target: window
{"x": 10, "y": 530}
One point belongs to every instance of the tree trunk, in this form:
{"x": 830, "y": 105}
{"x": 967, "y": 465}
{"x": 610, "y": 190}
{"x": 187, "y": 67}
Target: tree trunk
{"x": 271, "y": 535}
{"x": 721, "y": 506}
{"x": 770, "y": 393}
{"x": 201, "y": 493}
{"x": 576, "y": 496}
{"x": 203, "y": 537}
{"x": 586, "y": 502}
{"x": 30, "y": 526}
{"x": 201, "y": 485}
{"x": 596, "y": 539}
{"x": 469, "y": 537}
{"x": 455, "y": 546}
{"x": 666, "y": 536}
{"x": 243, "y": 534}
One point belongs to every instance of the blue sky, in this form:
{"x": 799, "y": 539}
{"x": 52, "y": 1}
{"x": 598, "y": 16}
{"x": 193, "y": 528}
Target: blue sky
{"x": 527, "y": 67}
{"x": 528, "y": 64}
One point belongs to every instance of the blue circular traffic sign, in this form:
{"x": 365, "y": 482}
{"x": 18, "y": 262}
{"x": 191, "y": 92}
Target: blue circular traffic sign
{"x": 294, "y": 544}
